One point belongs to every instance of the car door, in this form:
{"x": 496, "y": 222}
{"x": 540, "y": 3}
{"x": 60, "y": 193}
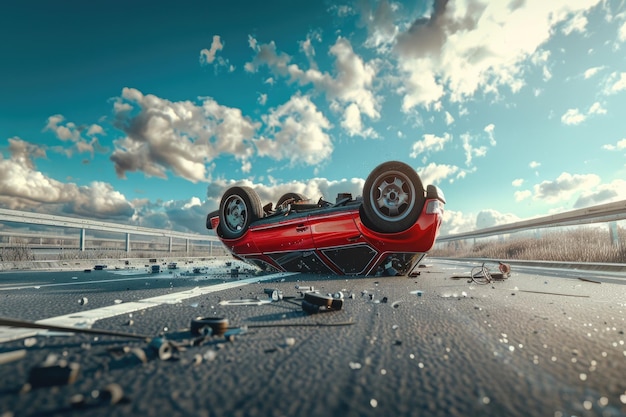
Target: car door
{"x": 339, "y": 242}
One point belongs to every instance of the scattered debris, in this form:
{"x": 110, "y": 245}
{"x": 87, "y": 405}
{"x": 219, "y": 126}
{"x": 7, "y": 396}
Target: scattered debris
{"x": 83, "y": 301}
{"x": 15, "y": 355}
{"x": 53, "y": 374}
{"x": 419, "y": 293}
{"x": 555, "y": 293}
{"x": 482, "y": 275}
{"x": 589, "y": 280}
{"x": 207, "y": 326}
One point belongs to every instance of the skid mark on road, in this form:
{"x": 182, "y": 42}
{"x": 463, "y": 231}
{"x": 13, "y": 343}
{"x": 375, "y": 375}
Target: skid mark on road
{"x": 84, "y": 319}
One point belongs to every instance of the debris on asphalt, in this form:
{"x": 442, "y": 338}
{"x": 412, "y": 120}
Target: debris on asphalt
{"x": 50, "y": 374}
{"x": 419, "y": 293}
{"x": 12, "y": 356}
{"x": 555, "y": 293}
{"x": 589, "y": 280}
{"x": 483, "y": 275}
{"x": 83, "y": 301}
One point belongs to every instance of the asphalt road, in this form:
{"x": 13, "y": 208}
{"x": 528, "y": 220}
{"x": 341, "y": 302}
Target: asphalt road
{"x": 540, "y": 343}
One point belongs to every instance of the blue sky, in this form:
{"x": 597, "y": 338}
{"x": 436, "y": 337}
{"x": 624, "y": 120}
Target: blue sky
{"x": 145, "y": 112}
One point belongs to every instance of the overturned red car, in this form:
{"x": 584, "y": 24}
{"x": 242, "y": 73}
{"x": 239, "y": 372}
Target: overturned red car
{"x": 386, "y": 231}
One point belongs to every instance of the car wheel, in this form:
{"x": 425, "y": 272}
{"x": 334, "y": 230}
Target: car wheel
{"x": 239, "y": 207}
{"x": 393, "y": 197}
{"x": 291, "y": 196}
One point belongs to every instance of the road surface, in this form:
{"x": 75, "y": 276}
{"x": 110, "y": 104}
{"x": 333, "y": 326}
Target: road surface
{"x": 540, "y": 343}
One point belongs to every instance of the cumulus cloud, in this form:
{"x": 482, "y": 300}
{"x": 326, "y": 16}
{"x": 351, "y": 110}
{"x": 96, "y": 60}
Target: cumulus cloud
{"x": 603, "y": 193}
{"x": 297, "y": 132}
{"x": 462, "y": 48}
{"x": 564, "y": 187}
{"x": 575, "y": 117}
{"x": 592, "y": 71}
{"x": 207, "y": 56}
{"x": 181, "y": 136}
{"x": 84, "y": 138}
{"x": 436, "y": 173}
{"x": 349, "y": 89}
{"x": 616, "y": 83}
{"x": 517, "y": 182}
{"x": 23, "y": 187}
{"x": 429, "y": 143}
{"x": 620, "y": 145}
{"x": 534, "y": 164}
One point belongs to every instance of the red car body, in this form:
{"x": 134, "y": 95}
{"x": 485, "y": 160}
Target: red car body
{"x": 338, "y": 238}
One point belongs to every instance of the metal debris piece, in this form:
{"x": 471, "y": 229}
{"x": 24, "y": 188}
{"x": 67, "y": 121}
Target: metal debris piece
{"x": 244, "y": 302}
{"x": 34, "y": 325}
{"x": 14, "y": 355}
{"x": 274, "y": 294}
{"x": 83, "y": 301}
{"x": 555, "y": 293}
{"x": 162, "y": 347}
{"x": 112, "y": 394}
{"x": 206, "y": 326}
{"x": 589, "y": 280}
{"x": 419, "y": 293}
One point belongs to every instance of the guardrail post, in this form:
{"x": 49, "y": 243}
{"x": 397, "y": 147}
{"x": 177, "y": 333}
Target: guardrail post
{"x": 82, "y": 240}
{"x": 170, "y": 245}
{"x": 127, "y": 242}
{"x": 613, "y": 234}
{"x": 187, "y": 246}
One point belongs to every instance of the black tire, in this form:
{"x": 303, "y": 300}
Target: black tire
{"x": 393, "y": 197}
{"x": 239, "y": 207}
{"x": 295, "y": 196}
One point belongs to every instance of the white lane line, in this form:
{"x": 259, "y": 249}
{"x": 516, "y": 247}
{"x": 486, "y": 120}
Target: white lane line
{"x": 85, "y": 319}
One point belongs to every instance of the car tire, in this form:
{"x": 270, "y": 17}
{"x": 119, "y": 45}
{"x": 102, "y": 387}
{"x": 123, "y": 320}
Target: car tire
{"x": 290, "y": 196}
{"x": 393, "y": 198}
{"x": 239, "y": 207}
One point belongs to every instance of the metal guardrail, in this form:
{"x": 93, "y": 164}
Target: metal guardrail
{"x": 16, "y": 216}
{"x": 610, "y": 212}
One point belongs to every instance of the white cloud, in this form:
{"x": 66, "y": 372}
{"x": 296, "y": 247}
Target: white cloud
{"x": 83, "y": 138}
{"x": 489, "y": 129}
{"x": 470, "y": 150}
{"x": 22, "y": 187}
{"x": 577, "y": 24}
{"x": 178, "y": 136}
{"x": 603, "y": 193}
{"x": 449, "y": 119}
{"x": 621, "y": 144}
{"x": 262, "y": 100}
{"x": 517, "y": 182}
{"x": 430, "y": 143}
{"x": 622, "y": 33}
{"x": 573, "y": 117}
{"x": 592, "y": 71}
{"x": 534, "y": 164}
{"x": 207, "y": 56}
{"x": 617, "y": 83}
{"x": 522, "y": 195}
{"x": 298, "y": 133}
{"x": 564, "y": 187}
{"x": 350, "y": 89}
{"x": 435, "y": 173}
{"x": 466, "y": 47}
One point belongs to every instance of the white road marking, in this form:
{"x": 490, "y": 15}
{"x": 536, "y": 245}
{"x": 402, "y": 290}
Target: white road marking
{"x": 85, "y": 319}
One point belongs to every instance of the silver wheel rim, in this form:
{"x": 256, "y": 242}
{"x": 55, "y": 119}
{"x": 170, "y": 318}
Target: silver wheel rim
{"x": 235, "y": 213}
{"x": 393, "y": 196}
